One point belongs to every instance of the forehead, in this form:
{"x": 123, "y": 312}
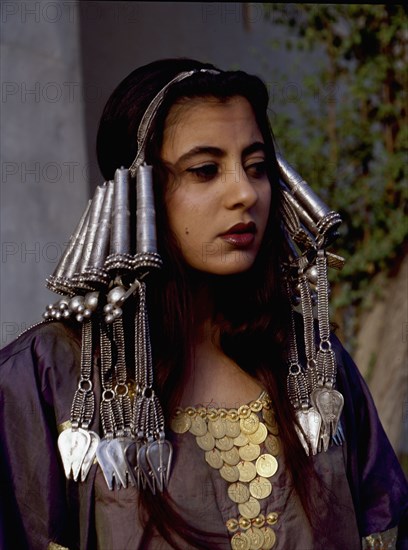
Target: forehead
{"x": 208, "y": 120}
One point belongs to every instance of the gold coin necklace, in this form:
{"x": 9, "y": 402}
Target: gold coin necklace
{"x": 242, "y": 444}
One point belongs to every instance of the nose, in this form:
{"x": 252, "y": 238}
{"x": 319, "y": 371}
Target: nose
{"x": 239, "y": 191}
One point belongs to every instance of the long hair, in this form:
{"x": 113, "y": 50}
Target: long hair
{"x": 253, "y": 305}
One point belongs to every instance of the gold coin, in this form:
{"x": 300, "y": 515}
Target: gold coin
{"x": 250, "y": 424}
{"x": 260, "y": 487}
{"x": 270, "y": 421}
{"x": 241, "y": 440}
{"x": 238, "y": 492}
{"x": 240, "y": 541}
{"x": 181, "y": 423}
{"x": 250, "y": 451}
{"x": 272, "y": 445}
{"x": 231, "y": 457}
{"x": 269, "y": 416}
{"x": 247, "y": 470}
{"x": 198, "y": 426}
{"x": 224, "y": 444}
{"x": 206, "y": 442}
{"x": 274, "y": 430}
{"x": 260, "y": 435}
{"x": 266, "y": 465}
{"x": 249, "y": 509}
{"x": 214, "y": 459}
{"x": 229, "y": 473}
{"x": 256, "y": 538}
{"x": 272, "y": 518}
{"x": 232, "y": 429}
{"x": 269, "y": 538}
{"x": 217, "y": 427}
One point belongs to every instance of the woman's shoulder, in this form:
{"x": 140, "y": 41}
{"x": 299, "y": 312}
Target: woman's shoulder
{"x": 51, "y": 335}
{"x": 41, "y": 358}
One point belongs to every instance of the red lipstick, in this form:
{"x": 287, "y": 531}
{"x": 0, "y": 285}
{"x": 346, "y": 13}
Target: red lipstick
{"x": 240, "y": 235}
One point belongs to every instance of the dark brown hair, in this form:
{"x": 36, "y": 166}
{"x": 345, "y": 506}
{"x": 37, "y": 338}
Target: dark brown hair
{"x": 253, "y": 305}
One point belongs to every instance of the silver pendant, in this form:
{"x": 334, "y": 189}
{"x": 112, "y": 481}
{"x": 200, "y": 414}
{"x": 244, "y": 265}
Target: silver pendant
{"x": 137, "y": 471}
{"x": 145, "y": 468}
{"x": 73, "y": 445}
{"x": 324, "y": 438}
{"x": 105, "y": 462}
{"x": 310, "y": 422}
{"x": 90, "y": 455}
{"x": 116, "y": 451}
{"x": 131, "y": 461}
{"x": 329, "y": 403}
{"x": 159, "y": 454}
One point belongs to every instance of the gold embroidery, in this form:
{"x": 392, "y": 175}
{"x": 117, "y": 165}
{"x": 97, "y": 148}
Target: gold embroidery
{"x": 386, "y": 540}
{"x": 55, "y": 546}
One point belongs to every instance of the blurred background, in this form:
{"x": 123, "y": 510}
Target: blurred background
{"x": 337, "y": 80}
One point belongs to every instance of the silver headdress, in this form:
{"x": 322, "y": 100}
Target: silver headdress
{"x": 311, "y": 227}
{"x": 108, "y": 260}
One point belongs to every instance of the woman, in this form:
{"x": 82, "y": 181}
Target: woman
{"x": 211, "y": 453}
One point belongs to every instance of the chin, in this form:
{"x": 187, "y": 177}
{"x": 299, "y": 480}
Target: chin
{"x": 230, "y": 262}
{"x": 232, "y": 267}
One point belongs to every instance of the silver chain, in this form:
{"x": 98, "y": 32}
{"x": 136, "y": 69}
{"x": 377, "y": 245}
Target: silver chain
{"x": 83, "y": 404}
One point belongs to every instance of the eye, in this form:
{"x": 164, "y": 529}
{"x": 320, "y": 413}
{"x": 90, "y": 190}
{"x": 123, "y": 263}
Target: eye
{"x": 256, "y": 170}
{"x": 205, "y": 172}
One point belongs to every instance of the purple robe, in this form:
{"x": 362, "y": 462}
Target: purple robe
{"x": 38, "y": 377}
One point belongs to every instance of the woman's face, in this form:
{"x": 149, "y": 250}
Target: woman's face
{"x": 218, "y": 195}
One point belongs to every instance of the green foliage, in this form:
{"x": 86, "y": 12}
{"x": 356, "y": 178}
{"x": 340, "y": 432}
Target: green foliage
{"x": 349, "y": 135}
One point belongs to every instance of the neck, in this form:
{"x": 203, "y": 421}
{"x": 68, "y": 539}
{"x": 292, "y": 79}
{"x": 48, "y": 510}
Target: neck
{"x": 213, "y": 376}
{"x": 203, "y": 305}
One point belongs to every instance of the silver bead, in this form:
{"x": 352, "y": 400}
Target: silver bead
{"x": 311, "y": 274}
{"x": 63, "y": 304}
{"x": 53, "y": 312}
{"x": 75, "y": 303}
{"x": 57, "y": 315}
{"x": 50, "y": 307}
{"x": 108, "y": 308}
{"x": 81, "y": 308}
{"x": 115, "y": 295}
{"x": 46, "y": 314}
{"x": 91, "y": 300}
{"x": 79, "y": 317}
{"x": 87, "y": 313}
{"x": 117, "y": 312}
{"x": 109, "y": 318}
{"x": 66, "y": 313}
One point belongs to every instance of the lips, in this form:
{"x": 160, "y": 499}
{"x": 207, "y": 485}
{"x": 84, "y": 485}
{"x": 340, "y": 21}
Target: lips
{"x": 241, "y": 228}
{"x": 240, "y": 235}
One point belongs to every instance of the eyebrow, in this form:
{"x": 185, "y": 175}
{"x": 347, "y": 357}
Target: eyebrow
{"x": 216, "y": 152}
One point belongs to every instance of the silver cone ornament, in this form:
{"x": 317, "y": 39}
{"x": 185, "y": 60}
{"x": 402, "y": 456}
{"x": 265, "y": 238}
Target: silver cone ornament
{"x": 311, "y": 227}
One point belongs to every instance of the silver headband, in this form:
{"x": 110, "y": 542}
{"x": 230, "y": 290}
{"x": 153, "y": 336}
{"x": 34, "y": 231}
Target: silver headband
{"x": 151, "y": 111}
